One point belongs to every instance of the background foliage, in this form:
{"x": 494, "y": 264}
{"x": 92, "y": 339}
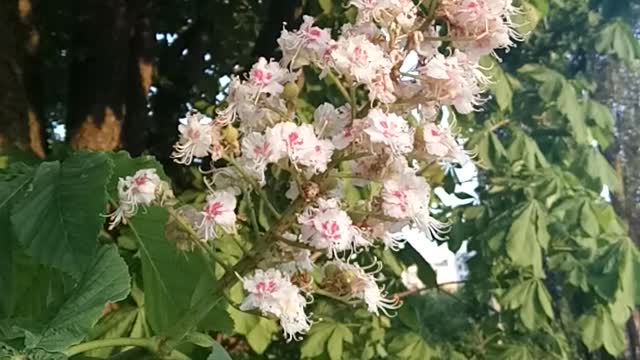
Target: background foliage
{"x": 555, "y": 269}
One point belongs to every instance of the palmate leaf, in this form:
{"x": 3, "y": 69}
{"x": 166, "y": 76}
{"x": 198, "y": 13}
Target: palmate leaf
{"x": 597, "y": 329}
{"x": 326, "y": 337}
{"x": 258, "y": 330}
{"x": 411, "y": 346}
{"x": 59, "y": 218}
{"x": 527, "y": 235}
{"x": 591, "y": 164}
{"x": 533, "y": 301}
{"x": 105, "y": 281}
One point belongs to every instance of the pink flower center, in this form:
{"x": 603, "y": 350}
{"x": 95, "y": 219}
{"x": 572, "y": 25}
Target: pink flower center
{"x": 140, "y": 180}
{"x": 193, "y": 134}
{"x": 263, "y": 288}
{"x": 263, "y": 150}
{"x": 435, "y": 132}
{"x": 402, "y": 199}
{"x": 261, "y": 77}
{"x": 314, "y": 33}
{"x": 213, "y": 209}
{"x": 330, "y": 230}
{"x": 359, "y": 54}
{"x": 293, "y": 139}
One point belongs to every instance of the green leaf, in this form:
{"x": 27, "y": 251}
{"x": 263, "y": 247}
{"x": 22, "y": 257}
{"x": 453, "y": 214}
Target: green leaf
{"x": 526, "y": 149}
{"x": 617, "y": 38}
{"x": 532, "y": 300}
{"x": 571, "y": 107}
{"x": 170, "y": 275}
{"x": 116, "y": 324}
{"x": 59, "y": 218}
{"x": 526, "y": 236}
{"x": 326, "y": 6}
{"x": 588, "y": 220}
{"x": 218, "y": 353}
{"x": 316, "y": 340}
{"x": 411, "y": 346}
{"x": 258, "y": 330}
{"x": 9, "y": 192}
{"x": 593, "y": 165}
{"x": 106, "y": 281}
{"x": 552, "y": 81}
{"x": 597, "y": 329}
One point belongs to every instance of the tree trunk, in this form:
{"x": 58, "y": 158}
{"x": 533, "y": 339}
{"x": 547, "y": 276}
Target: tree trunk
{"x": 110, "y": 73}
{"x": 20, "y": 85}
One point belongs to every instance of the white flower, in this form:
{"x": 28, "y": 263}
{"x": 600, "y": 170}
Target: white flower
{"x": 440, "y": 143}
{"x": 195, "y": 138}
{"x": 219, "y": 210}
{"x": 301, "y": 262}
{"x": 391, "y": 130}
{"x": 307, "y": 45}
{"x": 269, "y": 76}
{"x": 386, "y": 11}
{"x": 272, "y": 293}
{"x": 302, "y": 146}
{"x": 406, "y": 196}
{"x": 455, "y": 80}
{"x": 360, "y": 59}
{"x": 364, "y": 286}
{"x": 328, "y": 227}
{"x": 140, "y": 189}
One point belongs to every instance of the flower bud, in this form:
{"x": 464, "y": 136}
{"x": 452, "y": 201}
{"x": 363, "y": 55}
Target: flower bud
{"x": 291, "y": 91}
{"x": 310, "y": 191}
{"x": 230, "y": 134}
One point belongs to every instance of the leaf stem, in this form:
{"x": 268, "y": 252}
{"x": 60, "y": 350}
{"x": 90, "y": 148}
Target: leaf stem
{"x": 341, "y": 87}
{"x": 256, "y": 187}
{"x": 150, "y": 344}
{"x": 197, "y": 239}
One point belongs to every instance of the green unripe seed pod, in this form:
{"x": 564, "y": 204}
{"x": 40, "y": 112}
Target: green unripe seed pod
{"x": 291, "y": 91}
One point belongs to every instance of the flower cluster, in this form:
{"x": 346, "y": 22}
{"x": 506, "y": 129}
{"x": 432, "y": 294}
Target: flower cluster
{"x": 142, "y": 189}
{"x": 272, "y": 293}
{"x": 396, "y": 68}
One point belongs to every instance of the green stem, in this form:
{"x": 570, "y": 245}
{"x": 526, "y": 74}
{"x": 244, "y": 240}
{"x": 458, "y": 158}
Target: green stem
{"x": 256, "y": 187}
{"x": 295, "y": 244}
{"x": 150, "y": 344}
{"x": 341, "y": 87}
{"x": 196, "y": 238}
{"x": 333, "y": 296}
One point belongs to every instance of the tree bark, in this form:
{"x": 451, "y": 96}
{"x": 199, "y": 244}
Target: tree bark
{"x": 110, "y": 72}
{"x": 20, "y": 84}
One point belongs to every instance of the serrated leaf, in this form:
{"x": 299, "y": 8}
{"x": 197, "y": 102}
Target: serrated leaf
{"x": 170, "y": 275}
{"x": 105, "y": 281}
{"x": 9, "y": 192}
{"x": 258, "y": 330}
{"x": 59, "y": 218}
